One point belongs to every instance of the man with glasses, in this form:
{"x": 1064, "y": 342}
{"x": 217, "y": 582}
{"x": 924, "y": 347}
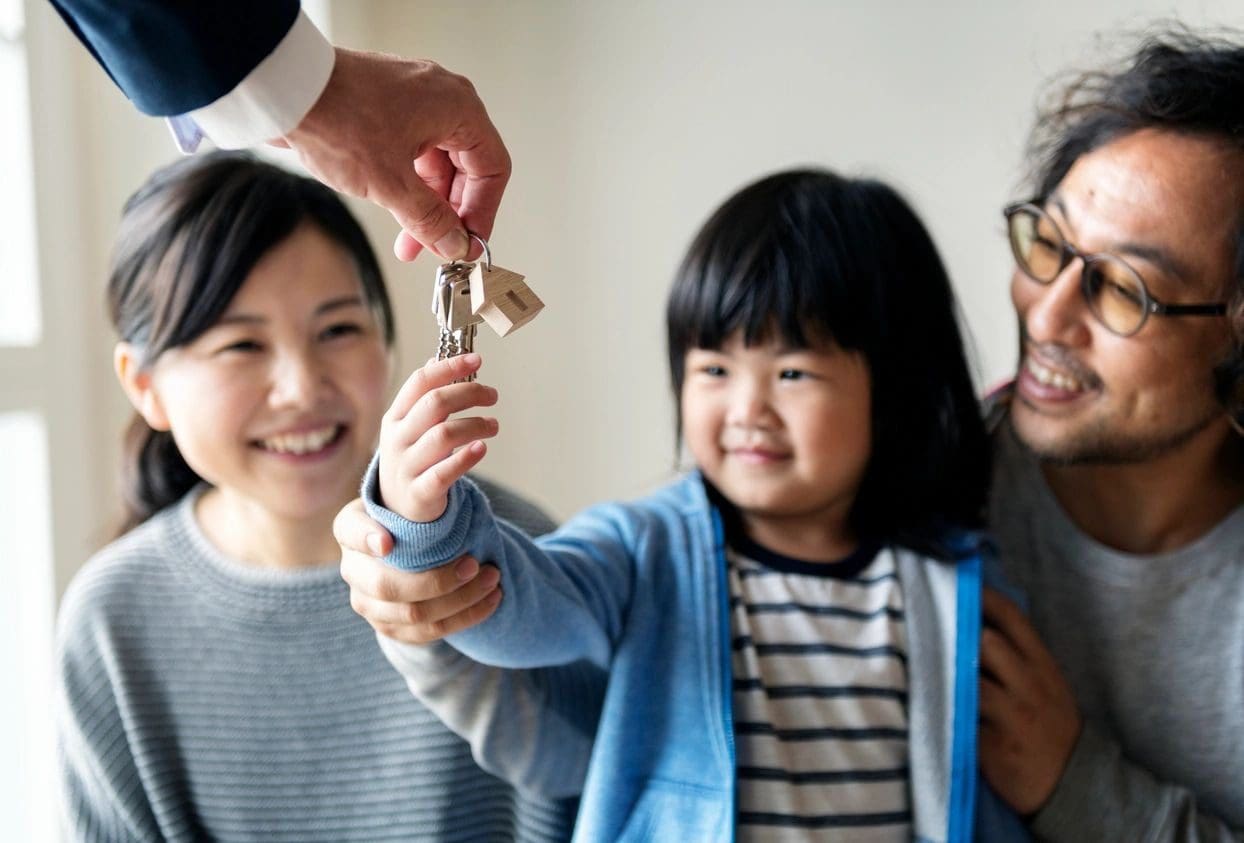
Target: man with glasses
{"x": 1117, "y": 712}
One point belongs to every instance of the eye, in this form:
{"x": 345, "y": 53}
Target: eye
{"x": 793, "y": 375}
{"x": 714, "y": 371}
{"x": 341, "y": 329}
{"x": 241, "y": 347}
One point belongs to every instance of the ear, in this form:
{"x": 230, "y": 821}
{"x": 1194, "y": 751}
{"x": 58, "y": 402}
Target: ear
{"x": 137, "y": 383}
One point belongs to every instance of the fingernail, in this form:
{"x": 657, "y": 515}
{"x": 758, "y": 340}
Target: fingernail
{"x": 373, "y": 543}
{"x": 471, "y": 358}
{"x": 466, "y": 569}
{"x": 453, "y": 245}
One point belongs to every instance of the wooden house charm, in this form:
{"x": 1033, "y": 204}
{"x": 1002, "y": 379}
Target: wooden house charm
{"x": 502, "y": 299}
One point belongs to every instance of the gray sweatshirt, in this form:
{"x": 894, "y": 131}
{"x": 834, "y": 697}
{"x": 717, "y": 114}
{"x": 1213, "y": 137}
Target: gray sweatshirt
{"x": 1153, "y": 647}
{"x": 200, "y": 699}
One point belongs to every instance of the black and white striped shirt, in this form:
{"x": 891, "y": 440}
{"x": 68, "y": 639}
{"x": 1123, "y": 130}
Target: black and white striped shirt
{"x": 820, "y": 696}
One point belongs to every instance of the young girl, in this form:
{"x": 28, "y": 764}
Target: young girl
{"x": 791, "y": 630}
{"x": 214, "y": 682}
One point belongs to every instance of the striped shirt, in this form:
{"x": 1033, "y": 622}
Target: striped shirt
{"x": 820, "y": 696}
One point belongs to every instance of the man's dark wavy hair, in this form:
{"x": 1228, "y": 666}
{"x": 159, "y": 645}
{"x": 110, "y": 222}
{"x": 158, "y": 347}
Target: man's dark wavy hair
{"x": 1177, "y": 81}
{"x": 807, "y": 256}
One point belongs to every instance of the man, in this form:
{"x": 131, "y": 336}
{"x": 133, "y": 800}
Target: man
{"x": 1117, "y": 713}
{"x": 408, "y": 135}
{"x": 1118, "y": 501}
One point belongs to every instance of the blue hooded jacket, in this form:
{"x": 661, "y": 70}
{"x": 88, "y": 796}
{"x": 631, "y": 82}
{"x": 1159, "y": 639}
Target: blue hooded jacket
{"x": 639, "y": 589}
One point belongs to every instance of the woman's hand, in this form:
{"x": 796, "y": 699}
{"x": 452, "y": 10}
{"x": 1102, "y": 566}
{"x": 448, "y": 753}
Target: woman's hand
{"x": 416, "y": 608}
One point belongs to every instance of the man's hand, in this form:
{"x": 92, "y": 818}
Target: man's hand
{"x": 413, "y": 138}
{"x": 1029, "y": 718}
{"x": 416, "y": 608}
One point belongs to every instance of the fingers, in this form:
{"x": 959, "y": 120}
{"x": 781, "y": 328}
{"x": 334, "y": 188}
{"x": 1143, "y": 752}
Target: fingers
{"x": 377, "y": 581}
{"x": 1001, "y": 661}
{"x": 406, "y": 248}
{"x": 1006, "y": 617}
{"x": 434, "y": 482}
{"x": 435, "y": 407}
{"x": 419, "y": 607}
{"x": 483, "y": 169}
{"x": 425, "y": 613}
{"x": 465, "y": 619}
{"x": 354, "y": 529}
{"x": 429, "y": 377}
{"x": 994, "y": 704}
{"x": 438, "y": 171}
{"x": 441, "y": 443}
{"x": 428, "y": 218}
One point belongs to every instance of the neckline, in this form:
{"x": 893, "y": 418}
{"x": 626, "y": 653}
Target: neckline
{"x": 245, "y": 590}
{"x": 1103, "y": 562}
{"x": 843, "y": 568}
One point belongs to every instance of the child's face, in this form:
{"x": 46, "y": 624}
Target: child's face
{"x": 784, "y": 434}
{"x": 280, "y": 401}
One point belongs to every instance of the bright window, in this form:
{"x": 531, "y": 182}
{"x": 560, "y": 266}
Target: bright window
{"x": 19, "y": 296}
{"x": 27, "y": 806}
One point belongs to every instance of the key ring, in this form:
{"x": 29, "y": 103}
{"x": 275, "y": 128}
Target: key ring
{"x": 487, "y": 254}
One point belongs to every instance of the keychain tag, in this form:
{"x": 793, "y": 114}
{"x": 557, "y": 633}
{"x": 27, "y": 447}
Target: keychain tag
{"x": 502, "y": 299}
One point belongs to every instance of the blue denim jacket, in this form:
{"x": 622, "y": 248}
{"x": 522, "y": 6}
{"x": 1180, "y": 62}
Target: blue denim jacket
{"x": 639, "y": 589}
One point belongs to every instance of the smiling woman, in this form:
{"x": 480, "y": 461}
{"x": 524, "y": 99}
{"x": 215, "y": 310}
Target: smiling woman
{"x": 297, "y": 384}
{"x": 214, "y": 682}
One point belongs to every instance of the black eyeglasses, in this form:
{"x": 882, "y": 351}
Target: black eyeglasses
{"x": 1116, "y": 294}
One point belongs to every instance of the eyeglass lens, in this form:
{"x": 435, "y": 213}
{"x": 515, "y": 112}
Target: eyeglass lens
{"x": 1114, "y": 292}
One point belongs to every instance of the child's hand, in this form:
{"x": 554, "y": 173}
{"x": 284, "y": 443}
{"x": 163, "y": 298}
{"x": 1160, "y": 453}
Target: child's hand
{"x": 418, "y": 460}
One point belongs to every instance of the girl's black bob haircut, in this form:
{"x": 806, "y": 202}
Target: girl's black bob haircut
{"x": 808, "y": 257}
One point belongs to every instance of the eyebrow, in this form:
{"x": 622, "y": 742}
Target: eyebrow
{"x": 1155, "y": 255}
{"x": 326, "y": 307}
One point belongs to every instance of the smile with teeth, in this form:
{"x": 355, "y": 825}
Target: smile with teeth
{"x": 300, "y": 444}
{"x": 1049, "y": 377}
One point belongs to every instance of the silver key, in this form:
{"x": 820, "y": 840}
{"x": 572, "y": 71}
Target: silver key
{"x": 451, "y": 302}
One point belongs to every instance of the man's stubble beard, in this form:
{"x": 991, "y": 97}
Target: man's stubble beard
{"x": 1096, "y": 445}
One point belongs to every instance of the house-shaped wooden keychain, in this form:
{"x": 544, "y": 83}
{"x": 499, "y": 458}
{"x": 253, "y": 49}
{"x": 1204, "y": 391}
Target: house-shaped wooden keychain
{"x": 501, "y": 298}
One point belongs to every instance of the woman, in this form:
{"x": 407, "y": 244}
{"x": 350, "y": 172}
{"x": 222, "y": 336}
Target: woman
{"x": 215, "y": 682}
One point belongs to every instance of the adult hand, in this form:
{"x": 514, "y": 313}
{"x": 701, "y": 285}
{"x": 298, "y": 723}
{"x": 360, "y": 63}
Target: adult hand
{"x": 1029, "y": 718}
{"x": 416, "y": 608}
{"x": 413, "y": 138}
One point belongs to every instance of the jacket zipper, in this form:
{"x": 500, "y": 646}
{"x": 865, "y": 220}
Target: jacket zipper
{"x": 727, "y": 666}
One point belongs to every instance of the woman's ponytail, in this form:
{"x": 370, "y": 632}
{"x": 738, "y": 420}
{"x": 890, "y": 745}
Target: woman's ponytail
{"x": 153, "y": 473}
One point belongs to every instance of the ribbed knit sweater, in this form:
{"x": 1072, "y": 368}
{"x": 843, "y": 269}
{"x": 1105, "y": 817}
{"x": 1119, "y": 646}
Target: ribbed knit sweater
{"x": 200, "y": 699}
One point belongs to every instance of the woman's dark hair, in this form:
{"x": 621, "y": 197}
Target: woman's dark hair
{"x": 1176, "y": 81}
{"x": 807, "y": 256}
{"x": 188, "y": 239}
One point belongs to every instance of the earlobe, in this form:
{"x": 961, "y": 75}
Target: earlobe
{"x": 137, "y": 383}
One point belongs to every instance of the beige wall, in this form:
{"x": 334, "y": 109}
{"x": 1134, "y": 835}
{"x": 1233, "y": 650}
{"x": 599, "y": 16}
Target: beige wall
{"x": 627, "y": 124}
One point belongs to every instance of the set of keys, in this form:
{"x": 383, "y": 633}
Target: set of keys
{"x": 468, "y": 293}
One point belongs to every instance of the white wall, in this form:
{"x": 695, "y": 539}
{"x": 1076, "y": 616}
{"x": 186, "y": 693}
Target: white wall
{"x": 628, "y": 123}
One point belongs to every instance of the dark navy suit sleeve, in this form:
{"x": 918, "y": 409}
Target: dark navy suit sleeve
{"x": 174, "y": 56}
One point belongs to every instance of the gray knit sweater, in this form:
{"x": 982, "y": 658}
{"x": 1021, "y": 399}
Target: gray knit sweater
{"x": 203, "y": 700}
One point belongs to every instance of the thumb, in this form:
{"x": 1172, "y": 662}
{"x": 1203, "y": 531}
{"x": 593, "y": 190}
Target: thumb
{"x": 429, "y": 219}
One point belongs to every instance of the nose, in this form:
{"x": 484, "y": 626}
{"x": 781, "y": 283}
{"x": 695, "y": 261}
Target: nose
{"x": 1055, "y": 312}
{"x": 297, "y": 380}
{"x": 749, "y": 404}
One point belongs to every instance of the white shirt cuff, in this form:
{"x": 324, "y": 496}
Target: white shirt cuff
{"x": 275, "y": 96}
